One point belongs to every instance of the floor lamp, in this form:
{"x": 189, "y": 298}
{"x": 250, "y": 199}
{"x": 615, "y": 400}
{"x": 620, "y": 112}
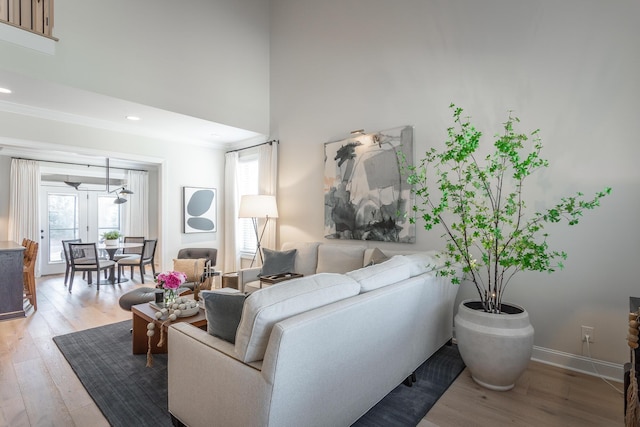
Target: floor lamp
{"x": 254, "y": 207}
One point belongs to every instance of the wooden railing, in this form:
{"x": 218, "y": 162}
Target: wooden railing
{"x": 35, "y": 16}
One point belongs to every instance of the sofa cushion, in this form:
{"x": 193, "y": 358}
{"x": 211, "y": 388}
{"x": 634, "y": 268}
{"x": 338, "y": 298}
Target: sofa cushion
{"x": 306, "y": 257}
{"x": 192, "y": 268}
{"x": 422, "y": 262}
{"x": 223, "y": 310}
{"x": 265, "y": 307}
{"x": 277, "y": 262}
{"x": 339, "y": 258}
{"x": 379, "y": 275}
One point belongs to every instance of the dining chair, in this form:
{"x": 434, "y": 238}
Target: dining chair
{"x": 127, "y": 252}
{"x": 67, "y": 257}
{"x": 84, "y": 257}
{"x": 147, "y": 256}
{"x": 28, "y": 271}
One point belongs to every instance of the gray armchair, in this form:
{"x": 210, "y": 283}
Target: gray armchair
{"x": 210, "y": 254}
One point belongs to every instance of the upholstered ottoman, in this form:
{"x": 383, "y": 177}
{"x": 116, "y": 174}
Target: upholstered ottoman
{"x": 137, "y": 296}
{"x": 142, "y": 295}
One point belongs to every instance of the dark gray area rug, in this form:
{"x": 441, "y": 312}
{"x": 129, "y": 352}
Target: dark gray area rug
{"x": 129, "y": 394}
{"x": 406, "y": 406}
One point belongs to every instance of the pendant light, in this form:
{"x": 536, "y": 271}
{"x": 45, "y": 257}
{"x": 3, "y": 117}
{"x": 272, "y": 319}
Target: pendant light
{"x": 119, "y": 191}
{"x": 73, "y": 184}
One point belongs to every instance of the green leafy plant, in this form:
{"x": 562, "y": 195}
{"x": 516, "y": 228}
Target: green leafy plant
{"x": 111, "y": 235}
{"x": 488, "y": 231}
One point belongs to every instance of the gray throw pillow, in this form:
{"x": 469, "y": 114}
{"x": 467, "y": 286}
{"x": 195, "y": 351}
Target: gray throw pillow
{"x": 223, "y": 311}
{"x": 278, "y": 262}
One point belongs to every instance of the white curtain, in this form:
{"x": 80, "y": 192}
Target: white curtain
{"x": 231, "y": 205}
{"x": 24, "y": 197}
{"x": 268, "y": 184}
{"x": 136, "y": 210}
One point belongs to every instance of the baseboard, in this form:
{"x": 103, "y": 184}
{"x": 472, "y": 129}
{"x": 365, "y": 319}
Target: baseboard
{"x": 574, "y": 362}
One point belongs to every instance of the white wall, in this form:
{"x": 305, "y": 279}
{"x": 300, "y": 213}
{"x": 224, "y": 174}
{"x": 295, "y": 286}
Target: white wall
{"x": 203, "y": 58}
{"x": 569, "y": 68}
{"x": 179, "y": 165}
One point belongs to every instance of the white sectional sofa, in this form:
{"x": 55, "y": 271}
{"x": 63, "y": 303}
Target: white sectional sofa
{"x": 316, "y": 351}
{"x": 317, "y": 257}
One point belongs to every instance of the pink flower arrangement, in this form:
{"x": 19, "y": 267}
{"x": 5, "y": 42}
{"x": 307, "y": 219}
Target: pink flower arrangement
{"x": 171, "y": 279}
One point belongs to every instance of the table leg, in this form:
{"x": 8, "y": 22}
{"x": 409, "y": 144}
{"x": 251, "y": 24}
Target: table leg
{"x": 111, "y": 280}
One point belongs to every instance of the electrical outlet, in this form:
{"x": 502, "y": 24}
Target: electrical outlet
{"x": 588, "y": 330}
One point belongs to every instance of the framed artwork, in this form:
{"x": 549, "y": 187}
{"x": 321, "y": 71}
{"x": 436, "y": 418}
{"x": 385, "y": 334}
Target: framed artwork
{"x": 366, "y": 193}
{"x": 199, "y": 210}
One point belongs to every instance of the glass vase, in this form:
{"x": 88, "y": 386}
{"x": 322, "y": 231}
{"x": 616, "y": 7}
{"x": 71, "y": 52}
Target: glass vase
{"x": 169, "y": 297}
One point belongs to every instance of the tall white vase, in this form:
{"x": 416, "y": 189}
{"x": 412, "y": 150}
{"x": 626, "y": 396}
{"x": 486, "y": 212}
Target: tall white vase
{"x": 495, "y": 347}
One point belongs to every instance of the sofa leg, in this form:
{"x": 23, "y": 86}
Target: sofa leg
{"x": 410, "y": 380}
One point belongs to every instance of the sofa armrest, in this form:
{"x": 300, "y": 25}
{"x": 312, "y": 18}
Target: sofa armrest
{"x": 207, "y": 384}
{"x": 247, "y": 275}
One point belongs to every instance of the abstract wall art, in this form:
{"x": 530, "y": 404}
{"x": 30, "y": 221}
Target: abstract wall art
{"x": 199, "y": 210}
{"x": 366, "y": 193}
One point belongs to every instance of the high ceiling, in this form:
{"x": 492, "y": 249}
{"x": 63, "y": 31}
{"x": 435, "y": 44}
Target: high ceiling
{"x": 38, "y": 98}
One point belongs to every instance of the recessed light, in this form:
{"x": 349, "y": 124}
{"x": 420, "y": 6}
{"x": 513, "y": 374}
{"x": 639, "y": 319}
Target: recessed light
{"x": 133, "y": 118}
{"x": 4, "y": 90}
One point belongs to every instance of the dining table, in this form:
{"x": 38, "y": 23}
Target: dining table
{"x": 111, "y": 251}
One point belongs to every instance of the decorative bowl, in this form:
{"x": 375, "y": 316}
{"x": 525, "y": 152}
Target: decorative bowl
{"x": 192, "y": 308}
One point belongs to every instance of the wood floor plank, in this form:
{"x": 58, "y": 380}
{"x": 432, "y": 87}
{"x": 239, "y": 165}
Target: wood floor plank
{"x": 13, "y": 413}
{"x": 543, "y": 396}
{"x": 12, "y": 409}
{"x": 44, "y": 404}
{"x": 69, "y": 386}
{"x": 89, "y": 416}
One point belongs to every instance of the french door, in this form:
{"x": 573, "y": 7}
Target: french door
{"x": 67, "y": 213}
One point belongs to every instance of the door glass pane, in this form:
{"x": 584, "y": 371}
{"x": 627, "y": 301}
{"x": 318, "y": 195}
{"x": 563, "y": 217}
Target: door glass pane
{"x": 108, "y": 215}
{"x": 63, "y": 222}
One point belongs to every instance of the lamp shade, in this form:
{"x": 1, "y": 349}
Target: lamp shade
{"x": 258, "y": 206}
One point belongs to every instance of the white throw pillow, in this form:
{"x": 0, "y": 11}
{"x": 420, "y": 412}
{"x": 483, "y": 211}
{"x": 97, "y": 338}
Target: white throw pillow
{"x": 266, "y": 307}
{"x": 306, "y": 257}
{"x": 379, "y": 275}
{"x": 422, "y": 262}
{"x": 339, "y": 258}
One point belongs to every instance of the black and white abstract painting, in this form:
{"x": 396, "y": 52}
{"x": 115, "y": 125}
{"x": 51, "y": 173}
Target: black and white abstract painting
{"x": 199, "y": 210}
{"x": 366, "y": 193}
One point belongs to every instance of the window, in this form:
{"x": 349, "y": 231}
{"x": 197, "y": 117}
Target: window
{"x": 108, "y": 215}
{"x": 247, "y": 184}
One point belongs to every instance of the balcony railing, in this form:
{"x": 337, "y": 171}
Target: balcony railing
{"x": 35, "y": 16}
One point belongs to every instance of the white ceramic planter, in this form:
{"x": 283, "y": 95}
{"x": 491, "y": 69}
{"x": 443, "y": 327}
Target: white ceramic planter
{"x": 495, "y": 347}
{"x": 111, "y": 242}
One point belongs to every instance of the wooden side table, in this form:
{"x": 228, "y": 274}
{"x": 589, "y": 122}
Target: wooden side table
{"x": 143, "y": 314}
{"x": 230, "y": 280}
{"x": 277, "y": 278}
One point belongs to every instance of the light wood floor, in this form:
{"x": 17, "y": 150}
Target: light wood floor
{"x": 543, "y": 396}
{"x": 38, "y": 388}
